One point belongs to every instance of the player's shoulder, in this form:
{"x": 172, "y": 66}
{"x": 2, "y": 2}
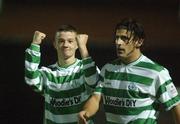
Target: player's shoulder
{"x": 147, "y": 63}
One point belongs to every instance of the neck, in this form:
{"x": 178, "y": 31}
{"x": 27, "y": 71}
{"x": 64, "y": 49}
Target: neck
{"x": 132, "y": 56}
{"x": 66, "y": 62}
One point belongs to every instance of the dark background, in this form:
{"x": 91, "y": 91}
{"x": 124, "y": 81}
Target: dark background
{"x": 20, "y": 18}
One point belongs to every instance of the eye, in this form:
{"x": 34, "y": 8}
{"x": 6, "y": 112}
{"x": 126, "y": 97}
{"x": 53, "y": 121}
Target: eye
{"x": 117, "y": 37}
{"x": 70, "y": 41}
{"x": 60, "y": 40}
{"x": 124, "y": 38}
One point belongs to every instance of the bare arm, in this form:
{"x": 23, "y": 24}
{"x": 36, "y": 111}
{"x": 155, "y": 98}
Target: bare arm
{"x": 89, "y": 109}
{"x": 176, "y": 113}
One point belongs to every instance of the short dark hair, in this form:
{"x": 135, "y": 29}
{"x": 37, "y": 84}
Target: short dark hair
{"x": 67, "y": 27}
{"x": 133, "y": 26}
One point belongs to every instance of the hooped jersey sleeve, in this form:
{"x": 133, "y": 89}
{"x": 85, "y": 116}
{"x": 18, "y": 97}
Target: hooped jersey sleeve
{"x": 33, "y": 75}
{"x": 166, "y": 91}
{"x": 91, "y": 72}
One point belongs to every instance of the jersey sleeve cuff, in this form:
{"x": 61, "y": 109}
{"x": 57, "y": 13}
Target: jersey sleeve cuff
{"x": 87, "y": 60}
{"x": 35, "y": 47}
{"x": 175, "y": 101}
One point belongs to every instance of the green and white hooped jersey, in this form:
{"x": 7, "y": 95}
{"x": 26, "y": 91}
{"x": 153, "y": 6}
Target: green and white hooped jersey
{"x": 132, "y": 93}
{"x": 65, "y": 89}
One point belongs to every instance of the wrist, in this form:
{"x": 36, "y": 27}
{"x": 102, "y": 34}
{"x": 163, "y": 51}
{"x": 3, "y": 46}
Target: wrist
{"x": 84, "y": 52}
{"x": 36, "y": 42}
{"x": 82, "y": 47}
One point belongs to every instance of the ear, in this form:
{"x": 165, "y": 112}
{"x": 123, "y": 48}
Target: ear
{"x": 139, "y": 43}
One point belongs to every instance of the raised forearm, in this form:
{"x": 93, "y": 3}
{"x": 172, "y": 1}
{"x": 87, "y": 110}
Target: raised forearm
{"x": 84, "y": 52}
{"x": 33, "y": 75}
{"x": 82, "y": 42}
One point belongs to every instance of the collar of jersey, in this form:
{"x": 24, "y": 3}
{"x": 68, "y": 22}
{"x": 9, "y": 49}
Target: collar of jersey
{"x": 68, "y": 66}
{"x": 134, "y": 62}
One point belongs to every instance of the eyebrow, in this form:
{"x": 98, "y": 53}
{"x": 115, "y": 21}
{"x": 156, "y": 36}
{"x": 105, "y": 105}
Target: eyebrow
{"x": 124, "y": 36}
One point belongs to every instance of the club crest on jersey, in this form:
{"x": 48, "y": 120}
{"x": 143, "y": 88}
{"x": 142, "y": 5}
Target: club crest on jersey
{"x": 132, "y": 86}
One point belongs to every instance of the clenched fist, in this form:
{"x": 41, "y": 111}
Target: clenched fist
{"x": 82, "y": 40}
{"x": 38, "y": 37}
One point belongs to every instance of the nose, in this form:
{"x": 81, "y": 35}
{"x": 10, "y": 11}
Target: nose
{"x": 65, "y": 44}
{"x": 118, "y": 41}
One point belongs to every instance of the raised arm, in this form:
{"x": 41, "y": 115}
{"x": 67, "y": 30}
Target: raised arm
{"x": 91, "y": 71}
{"x": 82, "y": 45}
{"x": 33, "y": 76}
{"x": 89, "y": 109}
